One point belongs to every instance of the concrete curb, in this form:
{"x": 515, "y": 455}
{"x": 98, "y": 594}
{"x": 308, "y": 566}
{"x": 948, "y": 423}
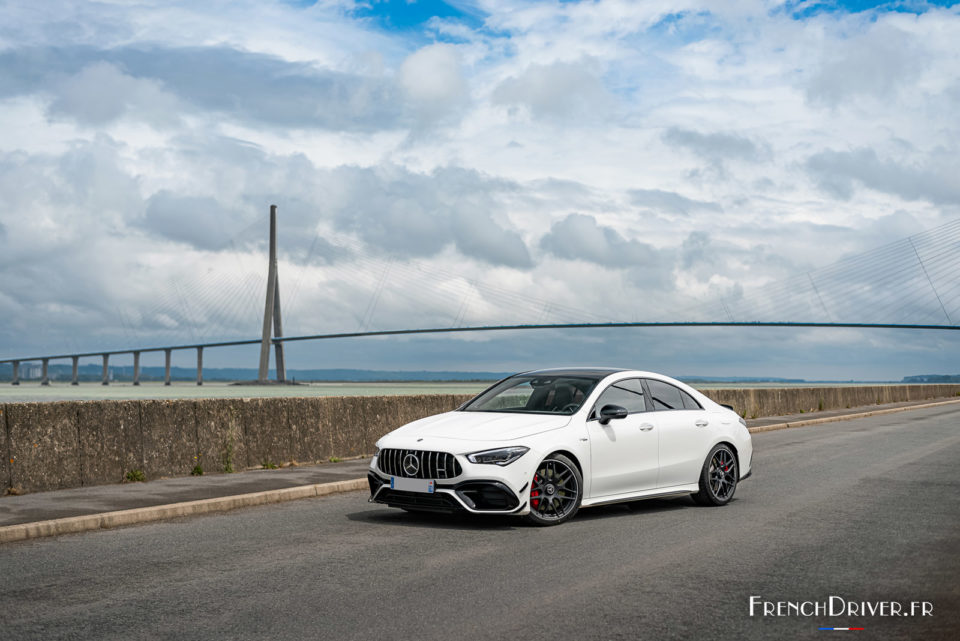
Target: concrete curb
{"x": 88, "y": 522}
{"x": 844, "y": 417}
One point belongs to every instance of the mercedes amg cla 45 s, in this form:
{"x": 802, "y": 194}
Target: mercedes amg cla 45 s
{"x": 543, "y": 444}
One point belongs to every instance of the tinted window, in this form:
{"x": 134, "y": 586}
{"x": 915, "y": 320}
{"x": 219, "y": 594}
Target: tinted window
{"x": 628, "y": 394}
{"x": 664, "y": 395}
{"x": 689, "y": 403}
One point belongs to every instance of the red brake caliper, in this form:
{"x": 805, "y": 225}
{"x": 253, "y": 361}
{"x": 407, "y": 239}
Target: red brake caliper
{"x": 534, "y": 502}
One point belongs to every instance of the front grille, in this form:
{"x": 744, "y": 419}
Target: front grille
{"x": 430, "y": 465}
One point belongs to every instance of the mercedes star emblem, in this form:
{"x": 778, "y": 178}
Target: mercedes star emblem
{"x": 411, "y": 464}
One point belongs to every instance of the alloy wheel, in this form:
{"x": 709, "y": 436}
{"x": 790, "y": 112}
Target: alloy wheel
{"x": 723, "y": 474}
{"x": 555, "y": 490}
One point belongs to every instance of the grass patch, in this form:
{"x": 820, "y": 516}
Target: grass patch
{"x": 335, "y": 459}
{"x": 267, "y": 464}
{"x": 196, "y": 471}
{"x": 136, "y": 476}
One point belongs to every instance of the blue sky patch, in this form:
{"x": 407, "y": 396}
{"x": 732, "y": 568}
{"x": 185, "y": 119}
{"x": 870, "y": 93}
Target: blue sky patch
{"x": 404, "y": 15}
{"x": 801, "y": 9}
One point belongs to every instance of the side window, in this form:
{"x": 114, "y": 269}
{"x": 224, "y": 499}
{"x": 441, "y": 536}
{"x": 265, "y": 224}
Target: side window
{"x": 628, "y": 394}
{"x": 689, "y": 403}
{"x": 665, "y": 396}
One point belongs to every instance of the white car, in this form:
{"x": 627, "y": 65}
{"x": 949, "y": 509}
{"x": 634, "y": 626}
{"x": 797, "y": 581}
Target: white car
{"x": 543, "y": 444}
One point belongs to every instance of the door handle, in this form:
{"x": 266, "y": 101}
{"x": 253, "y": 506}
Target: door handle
{"x": 645, "y": 427}
{"x": 701, "y": 422}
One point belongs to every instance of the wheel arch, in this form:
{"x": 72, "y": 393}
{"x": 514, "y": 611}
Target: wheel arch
{"x": 733, "y": 448}
{"x": 573, "y": 457}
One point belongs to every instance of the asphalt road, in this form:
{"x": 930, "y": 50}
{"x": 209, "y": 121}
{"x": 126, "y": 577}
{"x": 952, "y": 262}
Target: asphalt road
{"x": 867, "y": 510}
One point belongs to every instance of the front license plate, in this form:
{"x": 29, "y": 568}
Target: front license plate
{"x": 412, "y": 485}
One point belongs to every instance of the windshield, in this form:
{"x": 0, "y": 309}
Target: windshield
{"x": 535, "y": 394}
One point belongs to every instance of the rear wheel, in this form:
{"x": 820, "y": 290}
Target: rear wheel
{"x": 718, "y": 478}
{"x": 555, "y": 491}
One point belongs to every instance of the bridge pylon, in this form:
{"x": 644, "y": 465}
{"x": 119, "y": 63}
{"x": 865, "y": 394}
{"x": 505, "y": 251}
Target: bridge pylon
{"x": 271, "y": 312}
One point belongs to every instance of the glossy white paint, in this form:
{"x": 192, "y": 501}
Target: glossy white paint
{"x": 646, "y": 454}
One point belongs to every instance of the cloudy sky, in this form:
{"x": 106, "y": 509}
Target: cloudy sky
{"x": 472, "y": 162}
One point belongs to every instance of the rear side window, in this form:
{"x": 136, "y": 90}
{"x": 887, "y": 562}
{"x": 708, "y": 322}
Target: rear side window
{"x": 627, "y": 394}
{"x": 689, "y": 403}
{"x": 665, "y": 396}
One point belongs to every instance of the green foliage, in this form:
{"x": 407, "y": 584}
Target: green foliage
{"x": 801, "y": 411}
{"x": 820, "y": 406}
{"x": 136, "y": 476}
{"x": 197, "y": 470}
{"x": 267, "y": 464}
{"x": 335, "y": 459}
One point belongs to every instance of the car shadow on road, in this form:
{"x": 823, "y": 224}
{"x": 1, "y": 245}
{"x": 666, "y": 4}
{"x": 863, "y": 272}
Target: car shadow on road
{"x": 437, "y": 520}
{"x": 479, "y": 522}
{"x": 623, "y": 510}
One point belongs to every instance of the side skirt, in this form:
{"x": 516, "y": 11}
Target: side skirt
{"x": 659, "y": 493}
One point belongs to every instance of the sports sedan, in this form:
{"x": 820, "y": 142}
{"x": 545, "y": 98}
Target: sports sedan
{"x": 543, "y": 444}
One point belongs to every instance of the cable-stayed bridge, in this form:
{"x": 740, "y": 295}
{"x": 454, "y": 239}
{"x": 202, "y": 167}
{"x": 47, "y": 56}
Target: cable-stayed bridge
{"x": 913, "y": 283}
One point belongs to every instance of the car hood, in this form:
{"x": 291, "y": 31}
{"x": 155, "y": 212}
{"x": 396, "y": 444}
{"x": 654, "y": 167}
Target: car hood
{"x": 481, "y": 426}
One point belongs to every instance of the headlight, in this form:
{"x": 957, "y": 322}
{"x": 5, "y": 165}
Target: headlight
{"x": 499, "y": 456}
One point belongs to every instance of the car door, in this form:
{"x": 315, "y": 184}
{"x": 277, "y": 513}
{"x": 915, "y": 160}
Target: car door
{"x": 623, "y": 453}
{"x": 684, "y": 430}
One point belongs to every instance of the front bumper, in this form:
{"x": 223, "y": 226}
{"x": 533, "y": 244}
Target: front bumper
{"x": 477, "y": 496}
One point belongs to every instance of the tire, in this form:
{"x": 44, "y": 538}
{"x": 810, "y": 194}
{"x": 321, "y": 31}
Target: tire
{"x": 718, "y": 478}
{"x": 556, "y": 491}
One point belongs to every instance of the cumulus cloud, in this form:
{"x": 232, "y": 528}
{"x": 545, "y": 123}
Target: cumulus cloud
{"x": 413, "y": 214}
{"x": 874, "y": 64}
{"x": 197, "y": 220}
{"x": 715, "y": 147}
{"x": 838, "y": 172}
{"x": 560, "y": 89}
{"x": 580, "y": 237}
{"x": 247, "y": 86}
{"x": 669, "y": 202}
{"x": 101, "y": 93}
{"x": 433, "y": 81}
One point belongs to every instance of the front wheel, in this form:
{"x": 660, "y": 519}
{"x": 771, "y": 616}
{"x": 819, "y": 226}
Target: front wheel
{"x": 718, "y": 478}
{"x": 555, "y": 491}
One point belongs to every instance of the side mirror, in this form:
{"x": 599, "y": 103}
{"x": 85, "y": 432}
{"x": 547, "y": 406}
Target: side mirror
{"x": 610, "y": 412}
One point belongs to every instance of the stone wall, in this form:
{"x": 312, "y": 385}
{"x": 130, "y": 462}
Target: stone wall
{"x": 774, "y": 401}
{"x": 48, "y": 446}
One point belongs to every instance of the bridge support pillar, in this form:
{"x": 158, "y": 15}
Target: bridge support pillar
{"x": 136, "y": 368}
{"x": 166, "y": 367}
{"x": 44, "y": 368}
{"x": 16, "y": 373}
{"x": 271, "y": 310}
{"x": 106, "y": 369}
{"x": 75, "y": 379}
{"x": 199, "y": 366}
